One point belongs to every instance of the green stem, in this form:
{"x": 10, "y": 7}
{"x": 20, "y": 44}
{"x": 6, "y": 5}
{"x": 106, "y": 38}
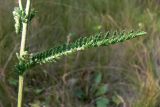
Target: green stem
{"x": 23, "y": 39}
{"x": 20, "y": 4}
{"x": 20, "y": 91}
{"x": 24, "y": 30}
{"x": 22, "y": 50}
{"x": 28, "y": 4}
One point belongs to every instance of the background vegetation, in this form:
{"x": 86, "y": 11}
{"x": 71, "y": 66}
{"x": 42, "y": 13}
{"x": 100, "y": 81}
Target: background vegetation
{"x": 131, "y": 70}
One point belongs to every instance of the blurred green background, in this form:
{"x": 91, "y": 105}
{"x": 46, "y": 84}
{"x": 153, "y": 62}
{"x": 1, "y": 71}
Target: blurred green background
{"x": 130, "y": 70}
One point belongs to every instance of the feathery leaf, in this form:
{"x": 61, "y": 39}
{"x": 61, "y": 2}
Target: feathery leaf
{"x": 53, "y": 54}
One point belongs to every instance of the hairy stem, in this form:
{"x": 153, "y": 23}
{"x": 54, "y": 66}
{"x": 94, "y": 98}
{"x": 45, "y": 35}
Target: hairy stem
{"x": 22, "y": 50}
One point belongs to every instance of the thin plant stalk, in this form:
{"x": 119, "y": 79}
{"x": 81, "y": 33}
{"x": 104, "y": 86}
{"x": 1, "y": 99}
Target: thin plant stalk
{"x": 22, "y": 50}
{"x": 20, "y": 4}
{"x": 20, "y": 91}
{"x": 24, "y": 30}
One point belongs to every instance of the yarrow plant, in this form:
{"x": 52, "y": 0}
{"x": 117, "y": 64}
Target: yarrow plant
{"x": 23, "y": 16}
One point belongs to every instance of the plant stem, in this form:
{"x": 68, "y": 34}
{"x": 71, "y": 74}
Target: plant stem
{"x": 28, "y": 4}
{"x": 20, "y": 91}
{"x": 23, "y": 39}
{"x": 20, "y": 4}
{"x": 24, "y": 30}
{"x": 22, "y": 50}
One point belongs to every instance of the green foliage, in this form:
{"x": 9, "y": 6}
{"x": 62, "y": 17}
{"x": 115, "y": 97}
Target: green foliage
{"x": 80, "y": 94}
{"x": 101, "y": 90}
{"x": 53, "y": 54}
{"x": 137, "y": 14}
{"x": 102, "y": 102}
{"x": 97, "y": 78}
{"x": 94, "y": 91}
